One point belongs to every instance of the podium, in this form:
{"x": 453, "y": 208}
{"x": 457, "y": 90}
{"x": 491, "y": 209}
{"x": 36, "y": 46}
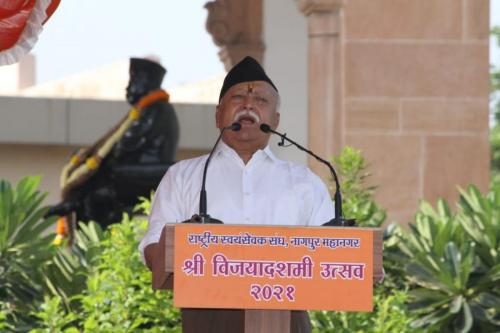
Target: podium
{"x": 251, "y": 318}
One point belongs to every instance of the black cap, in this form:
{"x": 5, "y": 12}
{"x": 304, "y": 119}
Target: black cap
{"x": 154, "y": 71}
{"x": 246, "y": 70}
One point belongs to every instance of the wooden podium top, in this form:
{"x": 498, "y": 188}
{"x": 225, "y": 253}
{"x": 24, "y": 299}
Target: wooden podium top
{"x": 330, "y": 261}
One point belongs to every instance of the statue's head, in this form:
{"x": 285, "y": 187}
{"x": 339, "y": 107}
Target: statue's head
{"x": 145, "y": 76}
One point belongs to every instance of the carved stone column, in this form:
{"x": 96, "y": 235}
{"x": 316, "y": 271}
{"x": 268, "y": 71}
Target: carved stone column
{"x": 326, "y": 57}
{"x": 236, "y": 27}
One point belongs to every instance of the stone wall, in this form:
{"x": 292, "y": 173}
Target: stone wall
{"x": 416, "y": 97}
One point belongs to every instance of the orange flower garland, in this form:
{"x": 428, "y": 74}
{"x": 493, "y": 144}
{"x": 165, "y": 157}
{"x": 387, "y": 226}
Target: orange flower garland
{"x": 61, "y": 231}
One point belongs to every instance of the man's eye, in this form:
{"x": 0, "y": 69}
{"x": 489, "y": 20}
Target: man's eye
{"x": 260, "y": 99}
{"x": 237, "y": 97}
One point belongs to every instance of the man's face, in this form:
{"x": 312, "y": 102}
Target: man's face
{"x": 249, "y": 104}
{"x": 138, "y": 86}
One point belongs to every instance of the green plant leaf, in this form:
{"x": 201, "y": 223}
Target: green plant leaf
{"x": 453, "y": 255}
{"x": 489, "y": 300}
{"x": 456, "y": 304}
{"x": 463, "y": 322}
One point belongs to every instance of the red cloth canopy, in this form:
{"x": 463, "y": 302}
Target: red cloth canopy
{"x": 20, "y": 24}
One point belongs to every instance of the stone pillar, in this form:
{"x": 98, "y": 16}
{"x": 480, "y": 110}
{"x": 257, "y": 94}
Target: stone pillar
{"x": 236, "y": 27}
{"x": 325, "y": 30}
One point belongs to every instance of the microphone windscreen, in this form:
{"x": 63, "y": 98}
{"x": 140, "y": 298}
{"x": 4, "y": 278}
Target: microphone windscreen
{"x": 265, "y": 128}
{"x": 235, "y": 127}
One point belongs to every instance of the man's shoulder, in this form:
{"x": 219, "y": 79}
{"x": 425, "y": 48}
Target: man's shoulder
{"x": 189, "y": 165}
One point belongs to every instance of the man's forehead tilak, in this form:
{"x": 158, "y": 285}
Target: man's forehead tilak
{"x": 254, "y": 87}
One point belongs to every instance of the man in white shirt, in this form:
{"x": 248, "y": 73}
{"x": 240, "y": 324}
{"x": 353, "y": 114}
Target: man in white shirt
{"x": 246, "y": 183}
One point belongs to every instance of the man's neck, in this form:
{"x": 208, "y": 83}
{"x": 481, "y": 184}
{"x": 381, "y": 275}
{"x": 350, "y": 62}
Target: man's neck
{"x": 245, "y": 155}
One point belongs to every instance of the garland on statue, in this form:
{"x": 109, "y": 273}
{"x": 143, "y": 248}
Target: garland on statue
{"x": 61, "y": 230}
{"x": 86, "y": 162}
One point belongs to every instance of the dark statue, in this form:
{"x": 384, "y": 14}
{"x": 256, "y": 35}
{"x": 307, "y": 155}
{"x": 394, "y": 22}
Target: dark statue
{"x": 105, "y": 180}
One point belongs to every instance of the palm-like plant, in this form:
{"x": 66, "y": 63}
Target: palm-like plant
{"x": 66, "y": 274}
{"x": 454, "y": 264}
{"x": 24, "y": 246}
{"x": 480, "y": 218}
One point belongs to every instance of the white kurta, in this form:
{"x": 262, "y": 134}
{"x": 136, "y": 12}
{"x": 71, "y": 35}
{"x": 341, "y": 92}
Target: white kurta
{"x": 266, "y": 190}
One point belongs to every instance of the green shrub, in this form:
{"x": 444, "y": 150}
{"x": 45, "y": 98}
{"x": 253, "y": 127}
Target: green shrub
{"x": 389, "y": 315}
{"x": 5, "y": 314}
{"x": 357, "y": 197}
{"x": 495, "y": 152}
{"x": 53, "y": 318}
{"x": 453, "y": 262}
{"x": 24, "y": 247}
{"x": 117, "y": 296}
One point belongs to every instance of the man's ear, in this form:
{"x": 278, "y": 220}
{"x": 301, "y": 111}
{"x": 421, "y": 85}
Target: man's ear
{"x": 217, "y": 116}
{"x": 276, "y": 120}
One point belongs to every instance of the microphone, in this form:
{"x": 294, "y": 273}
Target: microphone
{"x": 338, "y": 220}
{"x": 203, "y": 217}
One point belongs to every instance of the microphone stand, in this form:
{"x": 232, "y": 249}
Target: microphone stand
{"x": 339, "y": 219}
{"x": 203, "y": 217}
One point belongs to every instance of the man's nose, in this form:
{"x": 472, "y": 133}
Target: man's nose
{"x": 131, "y": 89}
{"x": 248, "y": 102}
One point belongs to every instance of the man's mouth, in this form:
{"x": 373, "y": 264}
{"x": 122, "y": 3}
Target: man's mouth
{"x": 246, "y": 117}
{"x": 246, "y": 120}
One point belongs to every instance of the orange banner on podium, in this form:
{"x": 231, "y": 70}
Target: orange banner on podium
{"x": 267, "y": 267}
